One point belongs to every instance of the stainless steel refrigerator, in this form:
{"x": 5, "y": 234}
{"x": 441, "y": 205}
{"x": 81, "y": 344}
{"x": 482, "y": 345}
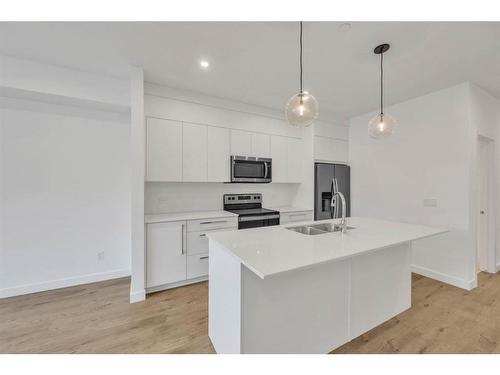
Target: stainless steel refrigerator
{"x": 323, "y": 188}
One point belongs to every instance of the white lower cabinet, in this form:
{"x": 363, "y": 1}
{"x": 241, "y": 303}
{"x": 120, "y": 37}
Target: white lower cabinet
{"x": 166, "y": 253}
{"x": 177, "y": 252}
{"x": 197, "y": 266}
{"x": 197, "y": 243}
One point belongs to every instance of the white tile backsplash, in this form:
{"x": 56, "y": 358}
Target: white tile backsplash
{"x": 163, "y": 197}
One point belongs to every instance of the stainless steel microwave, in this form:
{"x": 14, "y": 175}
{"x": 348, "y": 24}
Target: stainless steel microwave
{"x": 251, "y": 169}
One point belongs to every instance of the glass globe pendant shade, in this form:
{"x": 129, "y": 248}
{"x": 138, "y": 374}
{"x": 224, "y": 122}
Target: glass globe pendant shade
{"x": 301, "y": 110}
{"x": 382, "y": 126}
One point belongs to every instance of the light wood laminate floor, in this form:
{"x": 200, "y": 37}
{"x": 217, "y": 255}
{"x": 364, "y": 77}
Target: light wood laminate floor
{"x": 97, "y": 318}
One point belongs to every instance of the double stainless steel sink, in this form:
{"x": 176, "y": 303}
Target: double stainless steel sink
{"x": 314, "y": 229}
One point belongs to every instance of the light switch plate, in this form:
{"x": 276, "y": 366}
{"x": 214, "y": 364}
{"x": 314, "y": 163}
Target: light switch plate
{"x": 430, "y": 202}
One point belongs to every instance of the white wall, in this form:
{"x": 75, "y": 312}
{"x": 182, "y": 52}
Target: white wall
{"x": 28, "y": 79}
{"x": 429, "y": 156}
{"x": 485, "y": 118}
{"x": 64, "y": 197}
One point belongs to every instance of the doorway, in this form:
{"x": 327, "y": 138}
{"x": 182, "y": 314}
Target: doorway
{"x": 485, "y": 257}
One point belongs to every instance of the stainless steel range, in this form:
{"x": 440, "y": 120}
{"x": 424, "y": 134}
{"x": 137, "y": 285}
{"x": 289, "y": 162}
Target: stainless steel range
{"x": 250, "y": 211}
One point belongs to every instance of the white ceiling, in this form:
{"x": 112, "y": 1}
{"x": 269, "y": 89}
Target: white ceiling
{"x": 257, "y": 62}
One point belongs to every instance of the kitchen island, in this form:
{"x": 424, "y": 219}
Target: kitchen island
{"x": 276, "y": 290}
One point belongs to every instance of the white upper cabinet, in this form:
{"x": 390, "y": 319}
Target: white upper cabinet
{"x": 294, "y": 160}
{"x": 218, "y": 154}
{"x": 287, "y": 160}
{"x": 183, "y": 151}
{"x": 261, "y": 145}
{"x": 194, "y": 152}
{"x": 330, "y": 149}
{"x": 278, "y": 154}
{"x": 241, "y": 143}
{"x": 163, "y": 150}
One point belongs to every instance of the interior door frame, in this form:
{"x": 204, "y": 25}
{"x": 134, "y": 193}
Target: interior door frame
{"x": 491, "y": 252}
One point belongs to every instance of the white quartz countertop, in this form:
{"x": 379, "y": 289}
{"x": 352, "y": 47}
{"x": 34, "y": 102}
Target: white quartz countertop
{"x": 271, "y": 250}
{"x": 180, "y": 216}
{"x": 286, "y": 209}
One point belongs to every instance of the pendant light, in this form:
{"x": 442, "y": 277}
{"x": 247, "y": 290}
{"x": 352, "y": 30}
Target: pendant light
{"x": 382, "y": 125}
{"x": 302, "y": 108}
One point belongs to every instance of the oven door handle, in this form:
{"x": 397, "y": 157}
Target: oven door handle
{"x": 265, "y": 169}
{"x": 260, "y": 217}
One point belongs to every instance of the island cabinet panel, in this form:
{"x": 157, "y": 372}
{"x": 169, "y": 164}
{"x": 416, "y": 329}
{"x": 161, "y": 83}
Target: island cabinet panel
{"x": 296, "y": 216}
{"x": 313, "y": 309}
{"x": 224, "y": 300}
{"x": 380, "y": 287}
{"x": 296, "y": 312}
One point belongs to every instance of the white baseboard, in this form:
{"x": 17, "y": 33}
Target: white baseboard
{"x": 452, "y": 280}
{"x": 62, "y": 283}
{"x": 176, "y": 284}
{"x": 137, "y": 296}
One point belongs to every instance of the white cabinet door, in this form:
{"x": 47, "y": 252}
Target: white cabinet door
{"x": 218, "y": 154}
{"x": 194, "y": 152}
{"x": 330, "y": 149}
{"x": 241, "y": 143}
{"x": 166, "y": 253}
{"x": 197, "y": 266}
{"x": 278, "y": 154}
{"x": 261, "y": 145}
{"x": 294, "y": 160}
{"x": 163, "y": 150}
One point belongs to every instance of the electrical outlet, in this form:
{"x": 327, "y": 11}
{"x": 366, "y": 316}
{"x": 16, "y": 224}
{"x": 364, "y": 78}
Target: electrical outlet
{"x": 163, "y": 199}
{"x": 430, "y": 202}
{"x": 100, "y": 255}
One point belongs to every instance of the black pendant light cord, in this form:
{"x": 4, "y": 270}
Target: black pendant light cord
{"x": 300, "y": 57}
{"x": 382, "y": 84}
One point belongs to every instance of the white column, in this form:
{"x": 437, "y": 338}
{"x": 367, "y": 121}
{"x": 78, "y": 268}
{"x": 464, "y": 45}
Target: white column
{"x": 137, "y": 285}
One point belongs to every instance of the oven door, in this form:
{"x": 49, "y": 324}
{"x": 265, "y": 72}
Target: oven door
{"x": 249, "y": 169}
{"x": 256, "y": 221}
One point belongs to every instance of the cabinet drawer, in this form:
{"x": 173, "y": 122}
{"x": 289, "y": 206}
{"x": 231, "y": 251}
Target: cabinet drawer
{"x": 211, "y": 224}
{"x": 197, "y": 265}
{"x": 197, "y": 243}
{"x": 291, "y": 217}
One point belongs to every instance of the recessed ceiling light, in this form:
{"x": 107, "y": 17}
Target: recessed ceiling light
{"x": 204, "y": 64}
{"x": 343, "y": 27}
